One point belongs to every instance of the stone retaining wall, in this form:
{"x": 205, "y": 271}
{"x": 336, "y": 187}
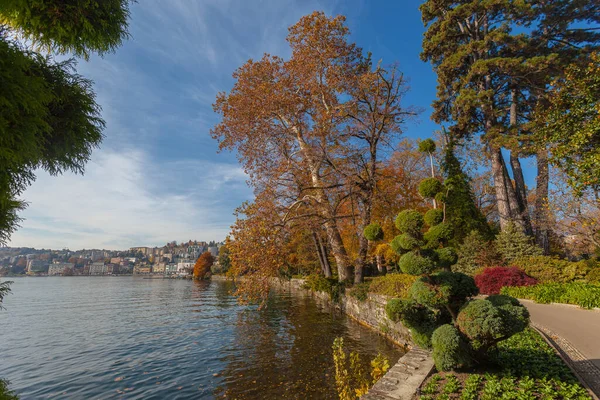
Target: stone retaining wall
{"x": 403, "y": 380}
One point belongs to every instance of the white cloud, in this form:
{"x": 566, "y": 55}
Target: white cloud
{"x": 124, "y": 200}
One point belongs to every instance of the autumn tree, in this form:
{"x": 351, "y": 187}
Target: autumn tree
{"x": 203, "y": 264}
{"x": 311, "y": 127}
{"x": 49, "y": 118}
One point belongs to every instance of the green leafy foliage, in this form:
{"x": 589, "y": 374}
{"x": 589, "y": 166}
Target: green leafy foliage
{"x": 437, "y": 235}
{"x": 548, "y": 269}
{"x": 427, "y": 146}
{"x": 49, "y": 119}
{"x": 360, "y": 291}
{"x": 429, "y": 187}
{"x": 4, "y": 290}
{"x": 446, "y": 257}
{"x": 80, "y": 27}
{"x": 585, "y": 295}
{"x": 5, "y": 392}
{"x": 415, "y": 264}
{"x": 461, "y": 212}
{"x": 393, "y": 285}
{"x": 373, "y": 232}
{"x": 408, "y": 242}
{"x": 527, "y": 368}
{"x": 434, "y": 216}
{"x": 331, "y": 286}
{"x": 410, "y": 221}
{"x": 512, "y": 244}
{"x": 476, "y": 252}
{"x": 486, "y": 322}
{"x": 450, "y": 351}
{"x": 443, "y": 288}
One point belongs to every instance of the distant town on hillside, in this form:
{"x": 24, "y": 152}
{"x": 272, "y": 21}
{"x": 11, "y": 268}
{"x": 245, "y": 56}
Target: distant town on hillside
{"x": 173, "y": 259}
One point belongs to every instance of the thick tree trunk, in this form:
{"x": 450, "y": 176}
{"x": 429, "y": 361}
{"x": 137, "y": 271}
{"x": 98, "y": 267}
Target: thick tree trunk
{"x": 541, "y": 203}
{"x": 363, "y": 243}
{"x": 322, "y": 257}
{"x": 521, "y": 193}
{"x": 500, "y": 186}
{"x": 338, "y": 250}
{"x": 323, "y": 206}
{"x": 328, "y": 273}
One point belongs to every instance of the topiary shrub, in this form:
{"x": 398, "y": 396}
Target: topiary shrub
{"x": 415, "y": 264}
{"x": 493, "y": 279}
{"x": 487, "y": 322}
{"x": 438, "y": 234}
{"x": 446, "y": 257}
{"x": 450, "y": 350}
{"x": 436, "y": 311}
{"x": 410, "y": 221}
{"x": 429, "y": 187}
{"x": 373, "y": 232}
{"x": 434, "y": 216}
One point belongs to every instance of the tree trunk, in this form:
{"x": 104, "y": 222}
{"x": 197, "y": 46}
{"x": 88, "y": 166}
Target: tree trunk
{"x": 515, "y": 214}
{"x": 378, "y": 258}
{"x": 363, "y": 244}
{"x": 322, "y": 259}
{"x": 328, "y": 273}
{"x": 338, "y": 250}
{"x": 541, "y": 203}
{"x": 521, "y": 193}
{"x": 500, "y": 186}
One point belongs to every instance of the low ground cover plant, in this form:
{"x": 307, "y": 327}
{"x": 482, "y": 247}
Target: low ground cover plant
{"x": 492, "y": 279}
{"x": 331, "y": 286}
{"x": 585, "y": 295}
{"x": 393, "y": 285}
{"x": 525, "y": 367}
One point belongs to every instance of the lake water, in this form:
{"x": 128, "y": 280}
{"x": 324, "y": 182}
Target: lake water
{"x": 135, "y": 338}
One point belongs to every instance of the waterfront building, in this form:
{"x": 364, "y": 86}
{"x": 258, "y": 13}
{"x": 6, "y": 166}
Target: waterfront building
{"x": 60, "y": 268}
{"x": 158, "y": 268}
{"x": 170, "y": 269}
{"x": 141, "y": 269}
{"x": 184, "y": 268}
{"x": 98, "y": 268}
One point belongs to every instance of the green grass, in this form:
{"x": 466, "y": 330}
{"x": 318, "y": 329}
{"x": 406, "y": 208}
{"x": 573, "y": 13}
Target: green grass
{"x": 525, "y": 367}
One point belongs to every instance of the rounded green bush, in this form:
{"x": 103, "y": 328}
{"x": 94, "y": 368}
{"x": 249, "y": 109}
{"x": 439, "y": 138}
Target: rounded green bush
{"x": 481, "y": 322}
{"x": 373, "y": 232}
{"x": 397, "y": 308}
{"x": 437, "y": 234}
{"x": 425, "y": 292}
{"x": 434, "y": 216}
{"x": 441, "y": 197}
{"x": 414, "y": 264}
{"x": 410, "y": 221}
{"x": 409, "y": 242}
{"x": 427, "y": 146}
{"x": 450, "y": 351}
{"x": 514, "y": 314}
{"x": 396, "y": 245}
{"x": 429, "y": 187}
{"x": 446, "y": 256}
{"x": 443, "y": 288}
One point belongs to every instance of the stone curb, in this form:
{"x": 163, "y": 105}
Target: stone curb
{"x": 587, "y": 373}
{"x": 595, "y": 309}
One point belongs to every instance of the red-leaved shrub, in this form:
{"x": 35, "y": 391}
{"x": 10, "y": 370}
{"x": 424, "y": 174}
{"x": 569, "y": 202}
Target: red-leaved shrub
{"x": 492, "y": 279}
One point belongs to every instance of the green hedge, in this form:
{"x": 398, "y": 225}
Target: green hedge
{"x": 586, "y": 295}
{"x": 553, "y": 270}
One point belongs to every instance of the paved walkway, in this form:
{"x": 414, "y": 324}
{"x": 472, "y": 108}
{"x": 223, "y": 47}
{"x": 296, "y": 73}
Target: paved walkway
{"x": 576, "y": 332}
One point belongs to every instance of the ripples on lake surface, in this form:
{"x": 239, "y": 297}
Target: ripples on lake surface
{"x": 135, "y": 338}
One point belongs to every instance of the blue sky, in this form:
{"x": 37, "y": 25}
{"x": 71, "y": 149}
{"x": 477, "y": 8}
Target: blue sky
{"x": 158, "y": 176}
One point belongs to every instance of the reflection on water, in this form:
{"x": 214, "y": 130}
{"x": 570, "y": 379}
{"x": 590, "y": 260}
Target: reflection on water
{"x": 134, "y": 338}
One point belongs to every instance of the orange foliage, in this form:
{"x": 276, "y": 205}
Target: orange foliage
{"x": 203, "y": 264}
